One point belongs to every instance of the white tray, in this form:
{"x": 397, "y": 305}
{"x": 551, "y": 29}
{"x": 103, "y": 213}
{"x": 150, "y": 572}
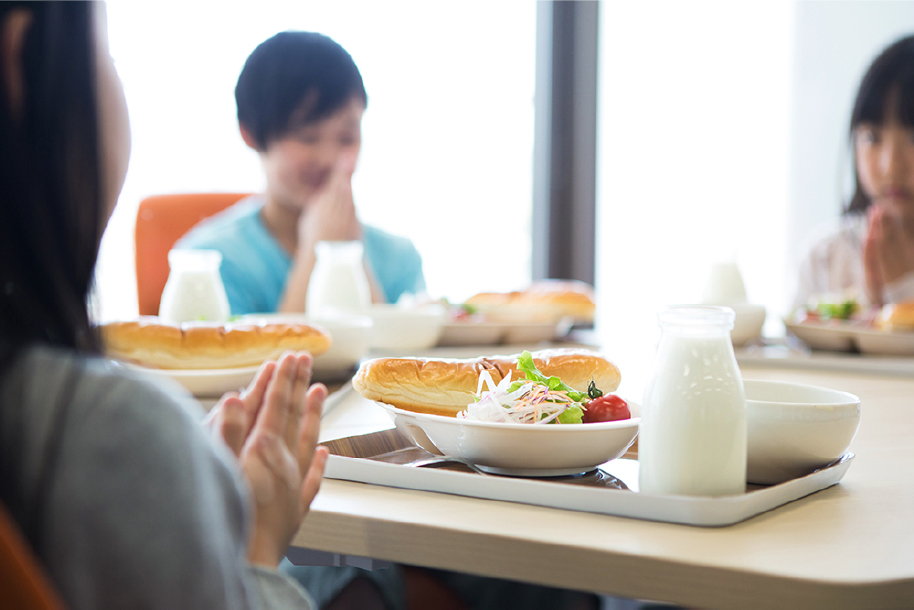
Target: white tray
{"x": 702, "y": 511}
{"x": 780, "y": 355}
{"x": 852, "y": 337}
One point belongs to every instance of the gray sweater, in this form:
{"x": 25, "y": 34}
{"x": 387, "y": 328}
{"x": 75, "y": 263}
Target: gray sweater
{"x": 127, "y": 501}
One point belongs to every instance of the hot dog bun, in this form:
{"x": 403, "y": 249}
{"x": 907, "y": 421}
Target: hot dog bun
{"x": 446, "y": 387}
{"x": 150, "y": 342}
{"x": 897, "y": 317}
{"x": 564, "y": 297}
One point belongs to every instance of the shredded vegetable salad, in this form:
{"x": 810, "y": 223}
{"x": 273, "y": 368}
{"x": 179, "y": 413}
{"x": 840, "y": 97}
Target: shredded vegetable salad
{"x": 535, "y": 400}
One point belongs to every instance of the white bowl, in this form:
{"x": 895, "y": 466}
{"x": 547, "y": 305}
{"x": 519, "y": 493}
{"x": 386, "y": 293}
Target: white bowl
{"x": 750, "y": 318}
{"x": 520, "y": 449}
{"x": 399, "y": 329}
{"x": 350, "y": 336}
{"x": 456, "y": 333}
{"x": 793, "y": 429}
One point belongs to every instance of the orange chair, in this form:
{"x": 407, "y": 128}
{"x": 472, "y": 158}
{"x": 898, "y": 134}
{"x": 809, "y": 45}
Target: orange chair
{"x": 162, "y": 220}
{"x": 23, "y": 582}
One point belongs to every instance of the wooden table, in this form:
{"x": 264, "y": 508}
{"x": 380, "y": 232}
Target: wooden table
{"x": 851, "y": 545}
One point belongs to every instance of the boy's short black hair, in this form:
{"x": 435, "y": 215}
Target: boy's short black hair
{"x": 293, "y": 79}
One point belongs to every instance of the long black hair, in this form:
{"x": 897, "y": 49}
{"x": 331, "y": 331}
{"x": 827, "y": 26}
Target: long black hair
{"x": 890, "y": 78}
{"x": 51, "y": 209}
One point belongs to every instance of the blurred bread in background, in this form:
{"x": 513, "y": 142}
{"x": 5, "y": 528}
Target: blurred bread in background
{"x": 558, "y": 298}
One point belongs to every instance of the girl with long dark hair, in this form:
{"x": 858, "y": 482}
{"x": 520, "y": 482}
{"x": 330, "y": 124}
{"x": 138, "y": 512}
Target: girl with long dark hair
{"x": 125, "y": 498}
{"x": 871, "y": 256}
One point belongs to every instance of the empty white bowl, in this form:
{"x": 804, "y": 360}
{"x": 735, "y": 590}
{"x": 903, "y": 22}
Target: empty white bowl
{"x": 400, "y": 329}
{"x": 351, "y": 336}
{"x": 750, "y": 318}
{"x": 793, "y": 429}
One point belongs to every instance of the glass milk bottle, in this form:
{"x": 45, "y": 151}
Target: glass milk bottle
{"x": 194, "y": 290}
{"x": 692, "y": 438}
{"x": 338, "y": 282}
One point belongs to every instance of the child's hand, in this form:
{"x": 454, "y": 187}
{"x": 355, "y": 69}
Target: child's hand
{"x": 273, "y": 427}
{"x": 888, "y": 251}
{"x": 332, "y": 216}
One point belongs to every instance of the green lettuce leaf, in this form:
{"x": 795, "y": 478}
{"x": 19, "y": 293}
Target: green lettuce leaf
{"x": 571, "y": 415}
{"x": 525, "y": 364}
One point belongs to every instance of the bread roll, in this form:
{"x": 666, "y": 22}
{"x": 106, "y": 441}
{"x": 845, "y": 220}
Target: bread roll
{"x": 565, "y": 297}
{"x": 446, "y": 387}
{"x": 897, "y": 317}
{"x": 150, "y": 342}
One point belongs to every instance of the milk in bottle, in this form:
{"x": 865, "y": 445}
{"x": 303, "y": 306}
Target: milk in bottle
{"x": 692, "y": 438}
{"x": 194, "y": 291}
{"x": 338, "y": 283}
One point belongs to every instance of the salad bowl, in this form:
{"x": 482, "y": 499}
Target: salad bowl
{"x": 526, "y": 450}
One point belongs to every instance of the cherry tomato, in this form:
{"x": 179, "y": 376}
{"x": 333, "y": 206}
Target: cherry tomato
{"x": 606, "y": 408}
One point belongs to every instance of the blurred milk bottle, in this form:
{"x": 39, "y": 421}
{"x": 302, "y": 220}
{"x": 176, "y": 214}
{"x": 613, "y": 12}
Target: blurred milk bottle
{"x": 194, "y": 290}
{"x": 724, "y": 285}
{"x": 338, "y": 282}
{"x": 692, "y": 438}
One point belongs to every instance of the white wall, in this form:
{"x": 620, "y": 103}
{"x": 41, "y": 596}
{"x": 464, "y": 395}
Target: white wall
{"x": 834, "y": 44}
{"x": 692, "y": 159}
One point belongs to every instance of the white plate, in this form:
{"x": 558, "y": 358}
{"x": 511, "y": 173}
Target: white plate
{"x": 835, "y": 337}
{"x": 520, "y": 449}
{"x": 871, "y": 341}
{"x": 509, "y": 333}
{"x": 206, "y": 383}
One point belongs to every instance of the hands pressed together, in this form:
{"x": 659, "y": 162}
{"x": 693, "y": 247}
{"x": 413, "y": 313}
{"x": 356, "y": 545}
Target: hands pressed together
{"x": 888, "y": 252}
{"x": 272, "y": 427}
{"x": 332, "y": 217}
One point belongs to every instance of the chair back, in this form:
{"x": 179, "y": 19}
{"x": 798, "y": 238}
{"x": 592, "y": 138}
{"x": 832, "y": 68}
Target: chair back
{"x": 23, "y": 581}
{"x": 161, "y": 221}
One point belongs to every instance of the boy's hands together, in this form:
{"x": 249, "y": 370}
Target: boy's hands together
{"x": 332, "y": 217}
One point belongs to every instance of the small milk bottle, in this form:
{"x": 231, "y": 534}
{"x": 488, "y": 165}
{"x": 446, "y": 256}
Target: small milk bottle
{"x": 692, "y": 438}
{"x": 338, "y": 283}
{"x": 194, "y": 290}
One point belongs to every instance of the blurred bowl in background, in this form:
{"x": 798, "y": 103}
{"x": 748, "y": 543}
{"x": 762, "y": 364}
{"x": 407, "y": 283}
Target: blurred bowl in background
{"x": 399, "y": 328}
{"x": 350, "y": 336}
{"x": 750, "y": 319}
{"x": 793, "y": 429}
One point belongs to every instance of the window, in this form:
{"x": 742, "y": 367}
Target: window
{"x": 692, "y": 155}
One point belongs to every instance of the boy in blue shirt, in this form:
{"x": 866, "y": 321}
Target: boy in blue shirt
{"x": 300, "y": 101}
